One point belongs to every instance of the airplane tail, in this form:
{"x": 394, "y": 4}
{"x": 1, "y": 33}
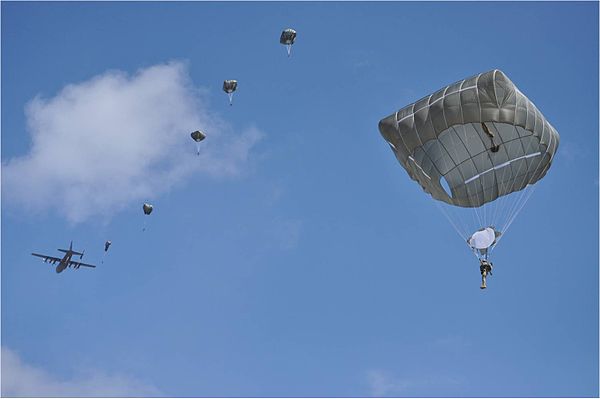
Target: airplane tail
{"x": 71, "y": 249}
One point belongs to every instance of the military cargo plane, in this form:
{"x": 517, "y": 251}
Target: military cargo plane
{"x": 66, "y": 260}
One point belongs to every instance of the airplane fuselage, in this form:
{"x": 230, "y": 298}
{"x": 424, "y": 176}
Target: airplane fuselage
{"x": 62, "y": 265}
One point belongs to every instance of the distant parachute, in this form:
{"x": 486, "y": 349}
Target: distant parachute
{"x": 229, "y": 86}
{"x": 147, "y": 211}
{"x": 478, "y": 145}
{"x": 198, "y": 136}
{"x": 147, "y": 208}
{"x": 106, "y": 246}
{"x": 288, "y": 37}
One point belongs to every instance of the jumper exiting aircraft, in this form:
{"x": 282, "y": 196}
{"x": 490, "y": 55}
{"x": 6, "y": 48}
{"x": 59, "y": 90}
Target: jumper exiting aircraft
{"x": 66, "y": 260}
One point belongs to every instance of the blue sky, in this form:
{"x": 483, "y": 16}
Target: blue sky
{"x": 294, "y": 257}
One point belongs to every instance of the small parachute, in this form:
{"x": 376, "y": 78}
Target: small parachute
{"x": 288, "y": 37}
{"x": 198, "y": 136}
{"x": 106, "y": 246}
{"x": 147, "y": 211}
{"x": 229, "y": 86}
{"x": 147, "y": 208}
{"x": 482, "y": 240}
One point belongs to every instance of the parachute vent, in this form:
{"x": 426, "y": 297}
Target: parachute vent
{"x": 446, "y": 186}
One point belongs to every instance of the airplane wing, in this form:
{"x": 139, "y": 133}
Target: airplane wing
{"x": 47, "y": 258}
{"x": 77, "y": 265}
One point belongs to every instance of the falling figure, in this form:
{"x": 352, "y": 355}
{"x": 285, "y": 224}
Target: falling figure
{"x": 106, "y": 246}
{"x": 485, "y": 267}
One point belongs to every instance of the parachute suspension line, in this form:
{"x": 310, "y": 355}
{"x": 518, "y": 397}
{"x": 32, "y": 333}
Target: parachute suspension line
{"x": 515, "y": 176}
{"x": 531, "y": 190}
{"x": 503, "y": 200}
{"x": 514, "y": 204}
{"x": 289, "y": 49}
{"x": 463, "y": 223}
{"x": 509, "y": 222}
{"x": 511, "y": 218}
{"x": 507, "y": 199}
{"x": 527, "y": 191}
{"x": 460, "y": 233}
{"x": 515, "y": 208}
{"x": 230, "y": 95}
{"x": 511, "y": 203}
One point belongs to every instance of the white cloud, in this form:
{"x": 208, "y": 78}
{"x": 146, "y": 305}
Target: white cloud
{"x": 114, "y": 140}
{"x": 23, "y": 380}
{"x": 383, "y": 384}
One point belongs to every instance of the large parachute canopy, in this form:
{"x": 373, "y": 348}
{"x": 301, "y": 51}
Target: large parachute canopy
{"x": 198, "y": 136}
{"x": 229, "y": 86}
{"x": 107, "y": 245}
{"x": 478, "y": 144}
{"x": 288, "y": 37}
